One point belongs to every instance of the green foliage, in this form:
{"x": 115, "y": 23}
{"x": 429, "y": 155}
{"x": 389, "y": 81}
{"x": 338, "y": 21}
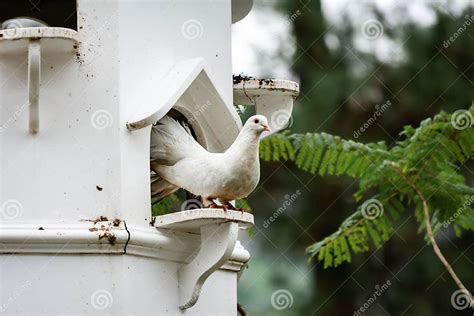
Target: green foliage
{"x": 242, "y": 203}
{"x": 423, "y": 165}
{"x": 165, "y": 205}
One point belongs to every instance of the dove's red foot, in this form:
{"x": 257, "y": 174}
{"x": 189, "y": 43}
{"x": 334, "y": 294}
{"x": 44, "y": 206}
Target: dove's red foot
{"x": 215, "y": 205}
{"x": 232, "y": 207}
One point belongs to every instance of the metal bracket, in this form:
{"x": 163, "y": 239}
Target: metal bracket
{"x": 34, "y": 82}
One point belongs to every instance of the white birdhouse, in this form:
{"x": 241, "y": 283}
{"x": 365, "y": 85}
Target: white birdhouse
{"x": 82, "y": 82}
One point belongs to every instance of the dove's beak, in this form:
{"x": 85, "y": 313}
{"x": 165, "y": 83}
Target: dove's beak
{"x": 266, "y": 128}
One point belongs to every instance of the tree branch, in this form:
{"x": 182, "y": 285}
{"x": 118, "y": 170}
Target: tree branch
{"x": 436, "y": 248}
{"x": 429, "y": 231}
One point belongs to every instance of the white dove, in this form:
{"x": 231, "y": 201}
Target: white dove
{"x": 183, "y": 163}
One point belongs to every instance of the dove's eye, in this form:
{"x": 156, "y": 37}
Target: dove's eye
{"x": 256, "y": 121}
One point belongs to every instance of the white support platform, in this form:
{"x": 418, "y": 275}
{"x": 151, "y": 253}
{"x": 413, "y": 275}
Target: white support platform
{"x": 33, "y": 42}
{"x": 218, "y": 230}
{"x": 273, "y": 98}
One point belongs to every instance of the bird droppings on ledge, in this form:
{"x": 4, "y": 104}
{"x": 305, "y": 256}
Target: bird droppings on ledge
{"x": 79, "y": 59}
{"x": 40, "y": 228}
{"x": 239, "y": 78}
{"x": 243, "y": 78}
{"x": 269, "y": 82}
{"x": 109, "y": 235}
{"x": 105, "y": 228}
{"x": 100, "y": 219}
{"x": 99, "y": 188}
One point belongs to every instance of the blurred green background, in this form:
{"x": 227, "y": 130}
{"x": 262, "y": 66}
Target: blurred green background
{"x": 350, "y": 58}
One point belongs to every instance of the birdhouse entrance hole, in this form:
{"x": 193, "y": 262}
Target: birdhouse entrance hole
{"x": 184, "y": 121}
{"x": 54, "y": 13}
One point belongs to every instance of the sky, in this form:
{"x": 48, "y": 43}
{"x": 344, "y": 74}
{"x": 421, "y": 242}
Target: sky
{"x": 263, "y": 45}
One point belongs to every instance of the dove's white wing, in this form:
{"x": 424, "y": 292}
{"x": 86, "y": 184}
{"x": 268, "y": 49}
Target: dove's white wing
{"x": 161, "y": 188}
{"x": 170, "y": 143}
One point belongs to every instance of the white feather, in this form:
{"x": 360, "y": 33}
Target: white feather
{"x": 170, "y": 142}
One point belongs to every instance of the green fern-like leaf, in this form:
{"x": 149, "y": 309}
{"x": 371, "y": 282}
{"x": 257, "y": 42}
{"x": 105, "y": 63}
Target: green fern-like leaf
{"x": 425, "y": 159}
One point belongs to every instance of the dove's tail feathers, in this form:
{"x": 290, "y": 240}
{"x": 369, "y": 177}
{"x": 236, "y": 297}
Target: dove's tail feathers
{"x": 161, "y": 189}
{"x": 170, "y": 142}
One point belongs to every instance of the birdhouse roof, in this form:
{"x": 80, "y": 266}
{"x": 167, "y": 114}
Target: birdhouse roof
{"x": 189, "y": 89}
